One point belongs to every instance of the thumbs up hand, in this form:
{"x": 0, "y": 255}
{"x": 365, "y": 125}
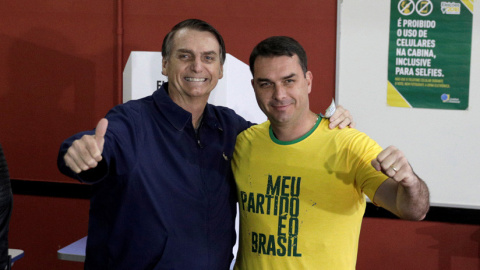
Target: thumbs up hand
{"x": 86, "y": 152}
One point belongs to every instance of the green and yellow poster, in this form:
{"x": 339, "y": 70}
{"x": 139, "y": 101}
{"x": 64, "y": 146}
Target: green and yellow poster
{"x": 429, "y": 54}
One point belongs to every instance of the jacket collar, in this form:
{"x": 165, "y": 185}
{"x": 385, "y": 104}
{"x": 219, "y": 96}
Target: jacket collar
{"x": 176, "y": 115}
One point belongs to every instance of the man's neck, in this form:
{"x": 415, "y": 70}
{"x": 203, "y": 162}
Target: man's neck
{"x": 293, "y": 131}
{"x": 195, "y": 106}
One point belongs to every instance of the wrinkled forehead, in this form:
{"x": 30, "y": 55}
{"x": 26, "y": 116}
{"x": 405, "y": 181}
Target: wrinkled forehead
{"x": 195, "y": 40}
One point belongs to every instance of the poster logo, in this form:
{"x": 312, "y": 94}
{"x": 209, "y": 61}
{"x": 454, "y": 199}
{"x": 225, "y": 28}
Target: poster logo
{"x": 450, "y": 8}
{"x": 447, "y": 99}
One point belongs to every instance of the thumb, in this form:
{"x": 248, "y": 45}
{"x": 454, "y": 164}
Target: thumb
{"x": 100, "y": 131}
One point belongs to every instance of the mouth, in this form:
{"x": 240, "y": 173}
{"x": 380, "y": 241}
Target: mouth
{"x": 280, "y": 107}
{"x": 281, "y": 104}
{"x": 191, "y": 79}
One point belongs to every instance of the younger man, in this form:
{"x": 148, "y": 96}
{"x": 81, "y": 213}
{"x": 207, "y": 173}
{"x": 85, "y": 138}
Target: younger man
{"x": 301, "y": 186}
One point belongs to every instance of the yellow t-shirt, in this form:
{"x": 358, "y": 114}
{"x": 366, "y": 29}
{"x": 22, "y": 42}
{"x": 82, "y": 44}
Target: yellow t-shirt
{"x": 302, "y": 202}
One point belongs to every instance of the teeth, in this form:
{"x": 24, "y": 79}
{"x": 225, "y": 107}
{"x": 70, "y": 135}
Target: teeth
{"x": 190, "y": 79}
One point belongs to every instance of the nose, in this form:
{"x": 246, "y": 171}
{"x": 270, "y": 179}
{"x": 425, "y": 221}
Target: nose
{"x": 196, "y": 65}
{"x": 280, "y": 92}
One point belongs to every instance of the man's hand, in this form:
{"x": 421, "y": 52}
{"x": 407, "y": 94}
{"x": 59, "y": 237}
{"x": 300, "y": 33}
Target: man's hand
{"x": 393, "y": 163}
{"x": 86, "y": 152}
{"x": 404, "y": 193}
{"x": 341, "y": 118}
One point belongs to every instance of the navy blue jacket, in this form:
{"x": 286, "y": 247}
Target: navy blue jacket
{"x": 164, "y": 195}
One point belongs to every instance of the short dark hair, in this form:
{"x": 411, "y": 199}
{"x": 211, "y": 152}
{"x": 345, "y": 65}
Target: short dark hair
{"x": 193, "y": 24}
{"x": 279, "y": 46}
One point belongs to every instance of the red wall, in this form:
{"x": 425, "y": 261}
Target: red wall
{"x": 42, "y": 225}
{"x": 399, "y": 244}
{"x": 57, "y": 77}
{"x": 60, "y": 68}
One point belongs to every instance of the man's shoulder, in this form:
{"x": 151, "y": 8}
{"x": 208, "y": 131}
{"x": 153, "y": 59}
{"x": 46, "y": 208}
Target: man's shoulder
{"x": 227, "y": 116}
{"x": 337, "y": 132}
{"x": 350, "y": 138}
{"x": 345, "y": 137}
{"x": 138, "y": 103}
{"x": 224, "y": 111}
{"x": 255, "y": 132}
{"x": 134, "y": 106}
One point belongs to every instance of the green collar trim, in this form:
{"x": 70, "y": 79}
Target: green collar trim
{"x": 277, "y": 141}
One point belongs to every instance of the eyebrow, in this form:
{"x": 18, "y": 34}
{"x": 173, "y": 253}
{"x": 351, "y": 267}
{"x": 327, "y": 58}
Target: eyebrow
{"x": 185, "y": 51}
{"x": 191, "y": 52}
{"x": 283, "y": 78}
{"x": 289, "y": 76}
{"x": 210, "y": 53}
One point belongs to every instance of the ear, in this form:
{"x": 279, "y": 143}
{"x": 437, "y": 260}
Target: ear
{"x": 164, "y": 67}
{"x": 309, "y": 77}
{"x": 221, "y": 72}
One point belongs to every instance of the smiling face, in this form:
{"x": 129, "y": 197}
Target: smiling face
{"x": 282, "y": 89}
{"x": 193, "y": 67}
